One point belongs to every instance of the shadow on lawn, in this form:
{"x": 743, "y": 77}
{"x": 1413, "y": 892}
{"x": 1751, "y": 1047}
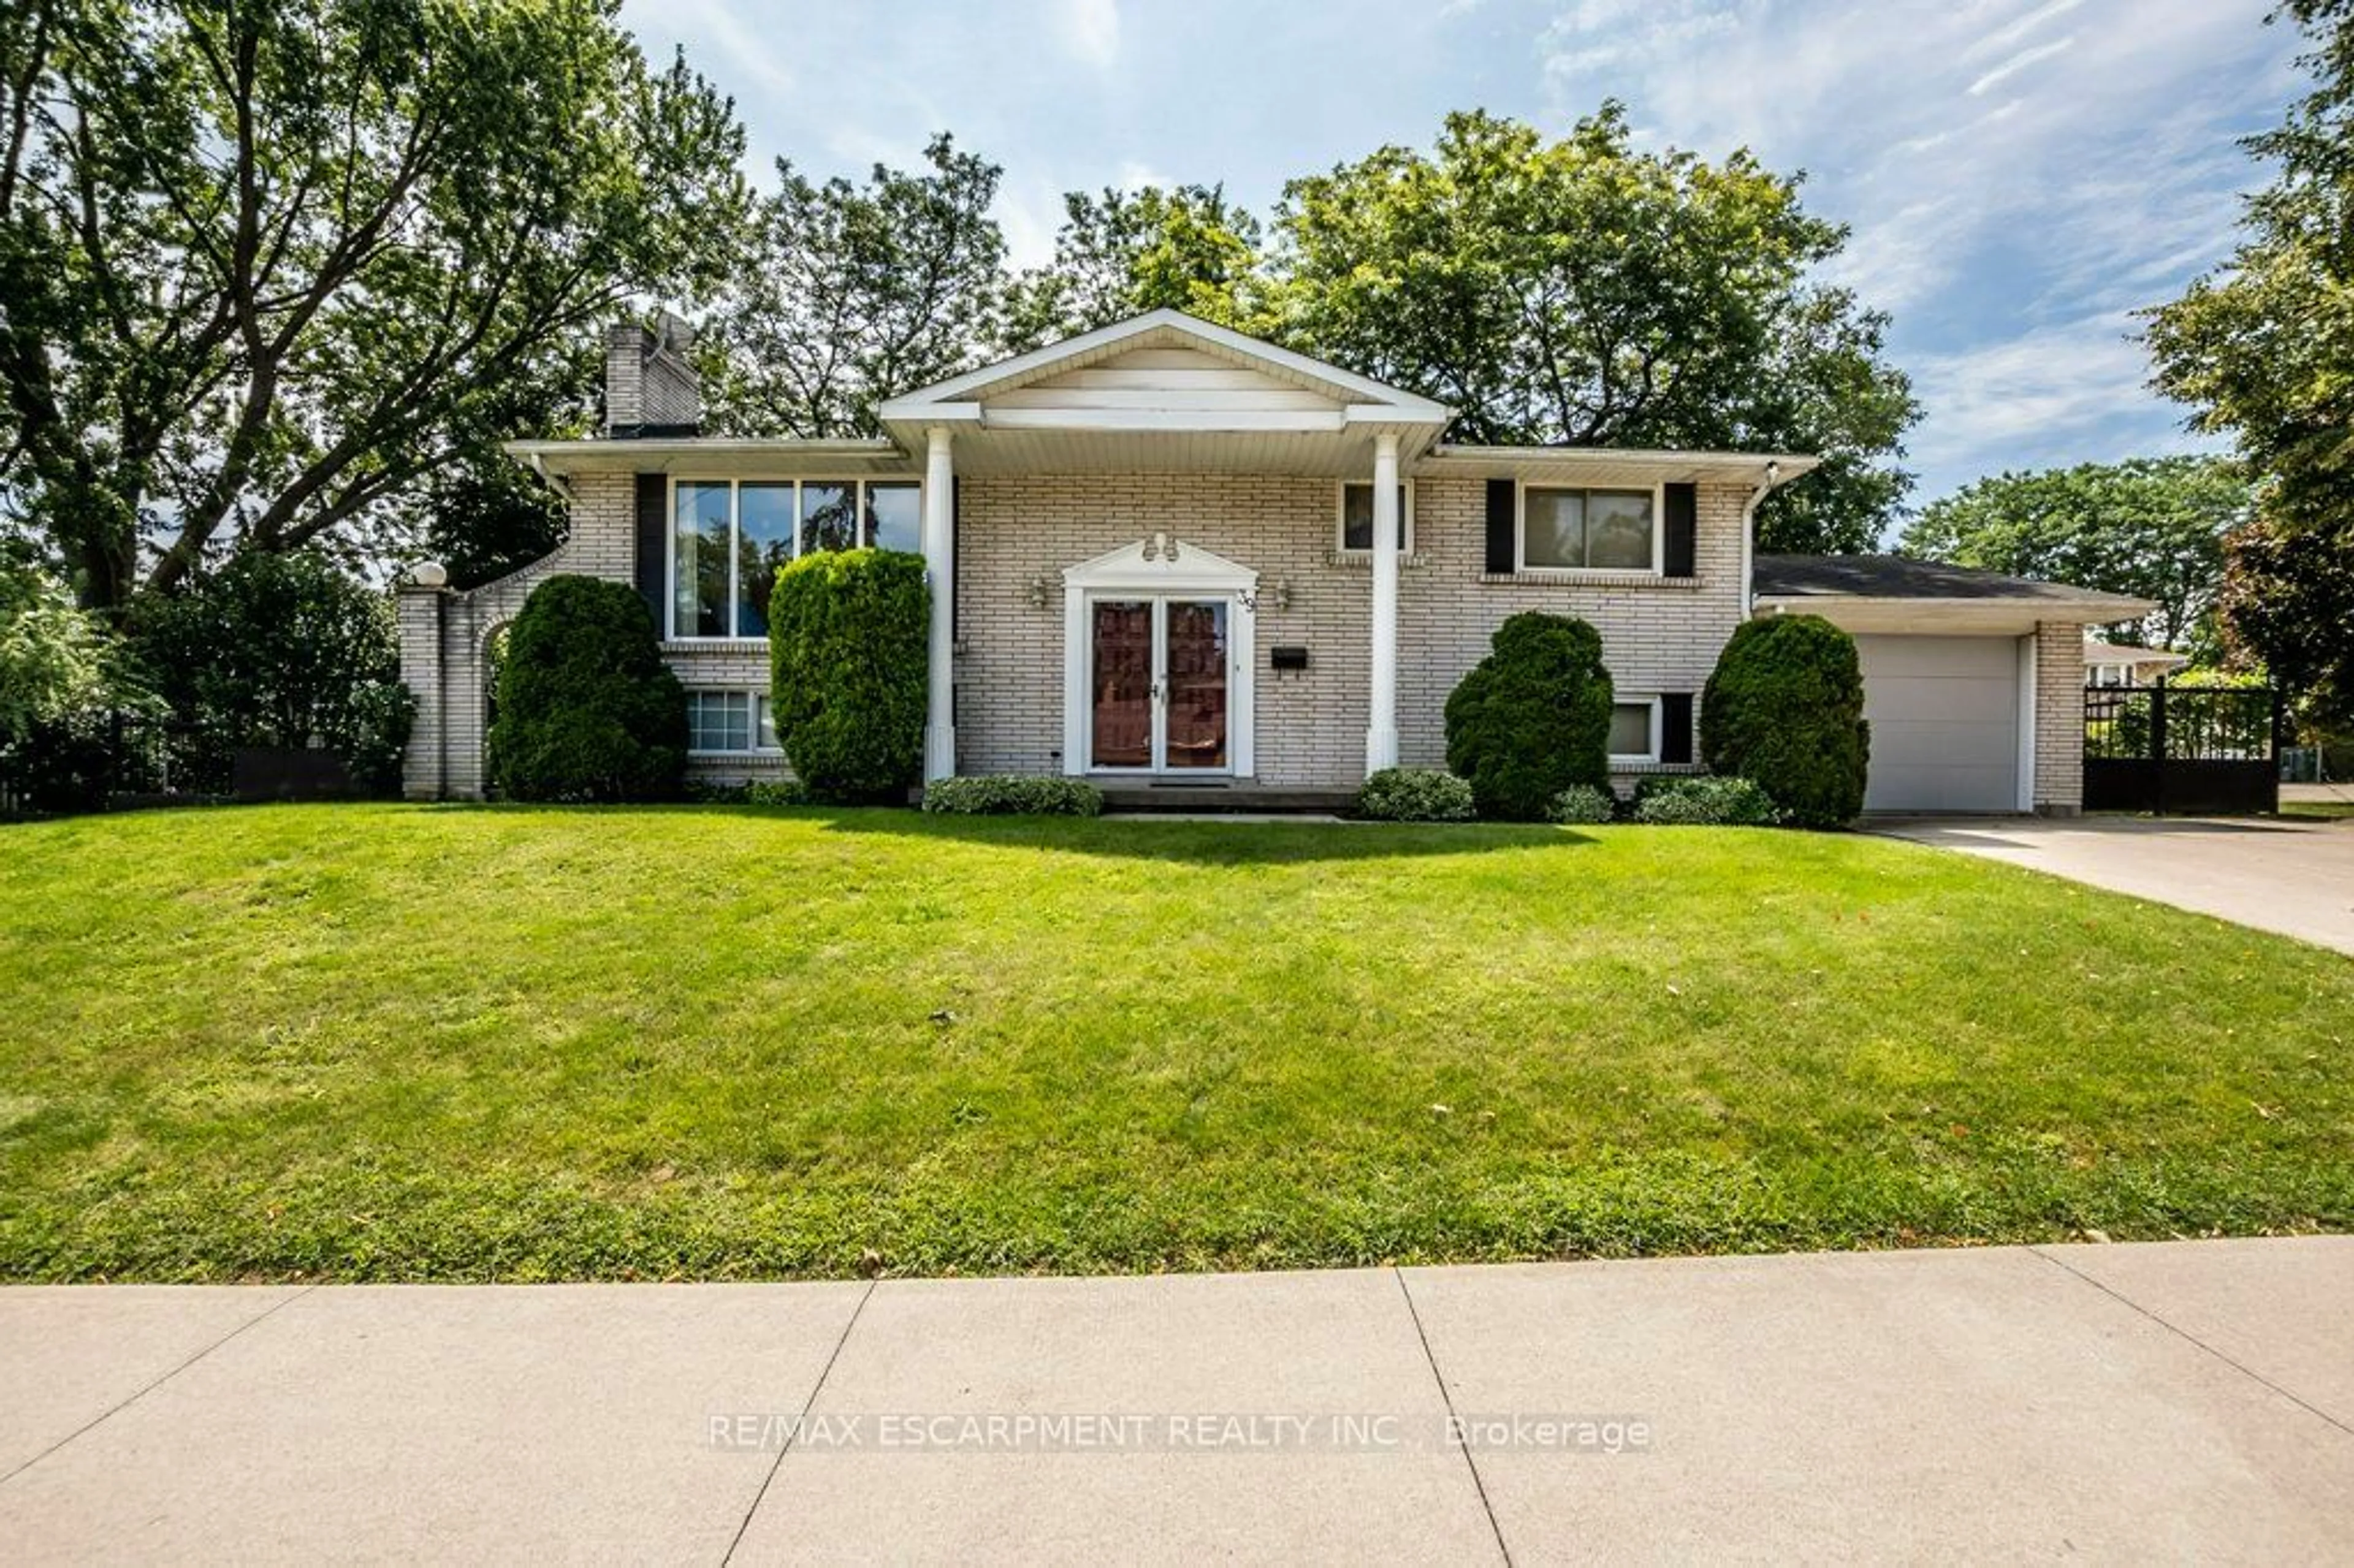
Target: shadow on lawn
{"x": 1196, "y": 840}
{"x": 1200, "y": 843}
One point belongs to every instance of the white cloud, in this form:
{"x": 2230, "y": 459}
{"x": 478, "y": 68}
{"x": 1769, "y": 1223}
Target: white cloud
{"x": 1092, "y": 30}
{"x": 2020, "y": 62}
{"x": 2012, "y": 188}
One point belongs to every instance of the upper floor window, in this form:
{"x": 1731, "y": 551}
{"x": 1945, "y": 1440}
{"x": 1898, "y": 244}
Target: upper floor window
{"x": 729, "y": 536}
{"x": 1357, "y": 518}
{"x": 1588, "y": 530}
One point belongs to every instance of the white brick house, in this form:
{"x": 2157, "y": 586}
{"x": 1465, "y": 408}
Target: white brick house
{"x": 1158, "y": 540}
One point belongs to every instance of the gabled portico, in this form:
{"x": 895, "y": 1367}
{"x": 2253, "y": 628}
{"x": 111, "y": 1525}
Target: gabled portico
{"x": 1162, "y": 393}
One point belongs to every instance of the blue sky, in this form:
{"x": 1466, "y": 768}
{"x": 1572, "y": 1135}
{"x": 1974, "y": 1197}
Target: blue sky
{"x": 2020, "y": 174}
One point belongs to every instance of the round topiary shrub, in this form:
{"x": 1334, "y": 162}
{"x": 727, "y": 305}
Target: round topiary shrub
{"x": 849, "y": 638}
{"x": 1532, "y": 717}
{"x": 1708, "y": 803}
{"x": 1415, "y": 795}
{"x": 587, "y": 709}
{"x": 1581, "y": 805}
{"x": 1783, "y": 708}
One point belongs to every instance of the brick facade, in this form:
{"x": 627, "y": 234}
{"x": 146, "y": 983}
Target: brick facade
{"x": 1016, "y": 535}
{"x": 1012, "y": 533}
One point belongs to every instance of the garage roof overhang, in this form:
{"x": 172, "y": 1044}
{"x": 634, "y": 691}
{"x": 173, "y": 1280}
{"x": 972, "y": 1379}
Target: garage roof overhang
{"x": 1891, "y": 594}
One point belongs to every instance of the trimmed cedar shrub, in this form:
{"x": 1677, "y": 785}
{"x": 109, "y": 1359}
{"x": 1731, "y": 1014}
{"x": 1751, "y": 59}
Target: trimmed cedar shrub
{"x": 587, "y": 709}
{"x": 848, "y": 635}
{"x": 1709, "y": 802}
{"x": 1014, "y": 795}
{"x": 1532, "y": 718}
{"x": 1415, "y": 795}
{"x": 1783, "y": 708}
{"x": 1581, "y": 805}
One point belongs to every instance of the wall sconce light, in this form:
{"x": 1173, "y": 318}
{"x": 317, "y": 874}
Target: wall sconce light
{"x": 1283, "y": 593}
{"x": 1037, "y": 590}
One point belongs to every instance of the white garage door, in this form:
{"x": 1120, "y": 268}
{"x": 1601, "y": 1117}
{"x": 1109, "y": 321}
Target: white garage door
{"x": 1945, "y": 723}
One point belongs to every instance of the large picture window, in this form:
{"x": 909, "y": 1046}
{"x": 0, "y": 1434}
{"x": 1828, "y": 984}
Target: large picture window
{"x": 729, "y": 536}
{"x": 1588, "y": 530}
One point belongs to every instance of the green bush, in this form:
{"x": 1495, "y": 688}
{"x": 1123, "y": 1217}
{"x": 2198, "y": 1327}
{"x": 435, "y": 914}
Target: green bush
{"x": 278, "y": 648}
{"x": 1532, "y": 719}
{"x": 759, "y": 792}
{"x": 849, "y": 636}
{"x": 1581, "y": 805}
{"x": 1415, "y": 795}
{"x": 1708, "y": 803}
{"x": 1783, "y": 708}
{"x": 586, "y": 710}
{"x": 1011, "y": 796}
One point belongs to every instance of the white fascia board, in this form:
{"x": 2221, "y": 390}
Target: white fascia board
{"x": 1953, "y": 617}
{"x": 1504, "y": 462}
{"x": 1203, "y": 421}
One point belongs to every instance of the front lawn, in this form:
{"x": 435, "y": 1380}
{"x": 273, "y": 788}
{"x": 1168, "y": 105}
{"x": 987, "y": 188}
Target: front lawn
{"x": 412, "y": 1043}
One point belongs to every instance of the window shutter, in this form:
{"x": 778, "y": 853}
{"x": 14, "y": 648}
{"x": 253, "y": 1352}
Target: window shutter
{"x": 1675, "y": 726}
{"x": 653, "y": 538}
{"x": 1502, "y": 548}
{"x": 1683, "y": 530}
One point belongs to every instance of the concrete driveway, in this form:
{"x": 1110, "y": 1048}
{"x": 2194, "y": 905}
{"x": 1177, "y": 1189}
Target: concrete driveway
{"x": 2177, "y": 1401}
{"x": 2293, "y": 877}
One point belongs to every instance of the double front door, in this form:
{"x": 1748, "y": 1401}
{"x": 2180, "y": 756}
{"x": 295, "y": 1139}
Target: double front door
{"x": 1159, "y": 670}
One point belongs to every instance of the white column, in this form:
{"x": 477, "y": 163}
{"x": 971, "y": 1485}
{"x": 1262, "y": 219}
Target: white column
{"x": 939, "y": 556}
{"x": 1381, "y": 731}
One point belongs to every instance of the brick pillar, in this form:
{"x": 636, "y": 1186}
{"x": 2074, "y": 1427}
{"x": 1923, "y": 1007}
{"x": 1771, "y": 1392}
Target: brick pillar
{"x": 420, "y": 614}
{"x": 2059, "y": 718}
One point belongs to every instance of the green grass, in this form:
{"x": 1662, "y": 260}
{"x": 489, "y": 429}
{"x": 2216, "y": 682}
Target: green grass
{"x": 2333, "y": 810}
{"x": 409, "y": 1043}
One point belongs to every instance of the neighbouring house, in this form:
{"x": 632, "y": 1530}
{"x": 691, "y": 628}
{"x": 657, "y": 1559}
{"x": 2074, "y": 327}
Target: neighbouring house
{"x": 2110, "y": 663}
{"x": 1157, "y": 547}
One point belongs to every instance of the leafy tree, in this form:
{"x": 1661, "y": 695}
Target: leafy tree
{"x": 280, "y": 649}
{"x": 587, "y": 709}
{"x": 266, "y": 266}
{"x": 1124, "y": 252}
{"x": 2260, "y": 350}
{"x": 55, "y": 659}
{"x": 848, "y": 295}
{"x": 2152, "y": 527}
{"x": 1532, "y": 718}
{"x": 1582, "y": 292}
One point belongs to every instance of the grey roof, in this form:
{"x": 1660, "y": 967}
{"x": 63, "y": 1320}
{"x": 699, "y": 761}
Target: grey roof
{"x": 1898, "y": 576}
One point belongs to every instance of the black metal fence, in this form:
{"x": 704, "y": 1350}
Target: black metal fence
{"x": 97, "y": 762}
{"x": 2188, "y": 751}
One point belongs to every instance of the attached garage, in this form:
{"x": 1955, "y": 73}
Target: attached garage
{"x": 1973, "y": 682}
{"x": 1946, "y": 715}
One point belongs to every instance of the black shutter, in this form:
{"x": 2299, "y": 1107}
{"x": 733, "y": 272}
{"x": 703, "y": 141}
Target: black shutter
{"x": 653, "y": 506}
{"x": 1675, "y": 726}
{"x": 1683, "y": 530}
{"x": 1502, "y": 519}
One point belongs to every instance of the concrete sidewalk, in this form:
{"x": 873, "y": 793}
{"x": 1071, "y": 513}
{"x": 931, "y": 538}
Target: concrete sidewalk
{"x": 2176, "y": 1401}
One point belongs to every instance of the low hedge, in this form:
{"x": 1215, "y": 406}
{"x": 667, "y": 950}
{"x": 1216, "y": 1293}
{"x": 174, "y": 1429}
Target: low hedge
{"x": 1581, "y": 805}
{"x": 1014, "y": 796}
{"x": 1415, "y": 795}
{"x": 1707, "y": 803}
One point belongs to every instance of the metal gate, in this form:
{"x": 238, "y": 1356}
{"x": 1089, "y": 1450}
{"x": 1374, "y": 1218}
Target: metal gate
{"x": 2185, "y": 750}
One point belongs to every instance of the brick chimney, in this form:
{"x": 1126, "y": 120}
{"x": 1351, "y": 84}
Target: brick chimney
{"x": 651, "y": 387}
